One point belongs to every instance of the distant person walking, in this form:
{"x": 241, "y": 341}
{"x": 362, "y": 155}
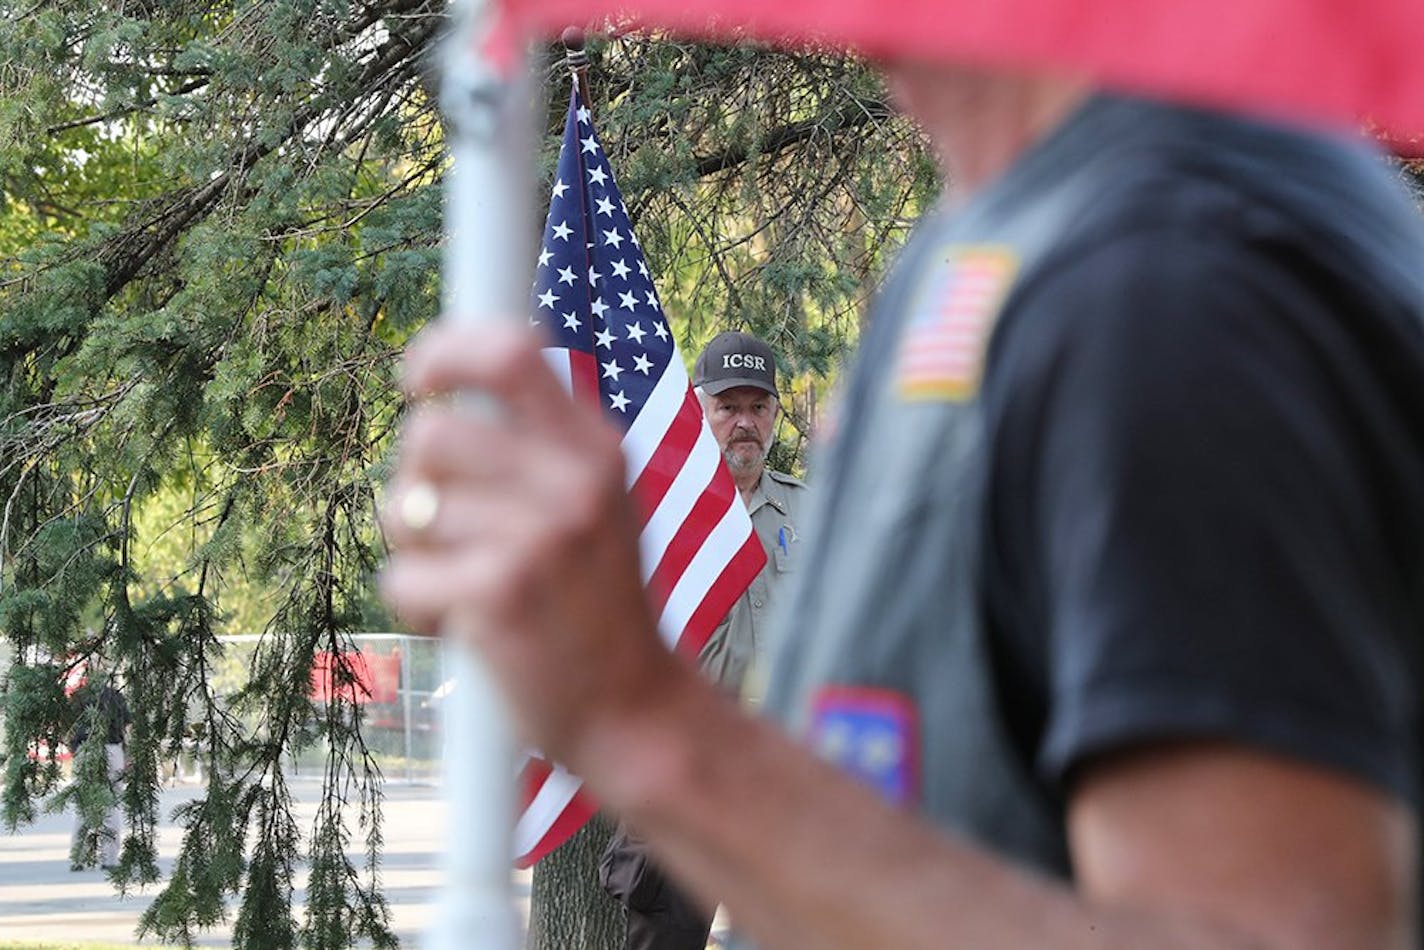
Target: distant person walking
{"x": 104, "y": 708}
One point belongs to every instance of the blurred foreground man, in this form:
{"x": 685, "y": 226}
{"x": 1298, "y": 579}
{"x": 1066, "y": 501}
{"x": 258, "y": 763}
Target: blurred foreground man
{"x": 735, "y": 377}
{"x": 1116, "y": 619}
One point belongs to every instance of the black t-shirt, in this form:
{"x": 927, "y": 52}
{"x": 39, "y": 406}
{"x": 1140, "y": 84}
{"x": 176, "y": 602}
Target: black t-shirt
{"x": 1205, "y": 503}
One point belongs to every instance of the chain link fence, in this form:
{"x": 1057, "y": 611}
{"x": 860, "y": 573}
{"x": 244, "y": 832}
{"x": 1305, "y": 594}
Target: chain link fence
{"x": 394, "y": 682}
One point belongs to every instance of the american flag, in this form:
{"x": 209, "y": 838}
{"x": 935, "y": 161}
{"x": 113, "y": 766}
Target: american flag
{"x": 611, "y": 342}
{"x": 942, "y": 350}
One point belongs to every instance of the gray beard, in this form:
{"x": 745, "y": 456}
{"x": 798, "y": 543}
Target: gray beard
{"x": 741, "y": 464}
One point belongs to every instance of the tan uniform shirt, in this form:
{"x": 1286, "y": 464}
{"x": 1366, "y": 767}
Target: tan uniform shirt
{"x": 738, "y": 644}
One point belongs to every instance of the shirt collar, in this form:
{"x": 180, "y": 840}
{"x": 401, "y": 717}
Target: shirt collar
{"x": 768, "y": 491}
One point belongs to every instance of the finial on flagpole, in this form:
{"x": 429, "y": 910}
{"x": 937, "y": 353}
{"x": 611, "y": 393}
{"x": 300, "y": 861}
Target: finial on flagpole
{"x": 576, "y": 60}
{"x": 573, "y": 40}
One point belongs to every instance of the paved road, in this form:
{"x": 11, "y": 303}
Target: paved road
{"x": 41, "y": 899}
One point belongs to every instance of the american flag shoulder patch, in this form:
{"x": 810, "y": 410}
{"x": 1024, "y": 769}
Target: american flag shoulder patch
{"x": 952, "y": 314}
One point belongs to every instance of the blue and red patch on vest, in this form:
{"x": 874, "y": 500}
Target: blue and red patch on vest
{"x": 873, "y": 735}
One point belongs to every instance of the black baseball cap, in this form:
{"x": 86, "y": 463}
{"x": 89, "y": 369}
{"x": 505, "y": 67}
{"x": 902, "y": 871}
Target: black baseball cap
{"x": 735, "y": 359}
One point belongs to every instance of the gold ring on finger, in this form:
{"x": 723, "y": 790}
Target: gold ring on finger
{"x": 418, "y": 507}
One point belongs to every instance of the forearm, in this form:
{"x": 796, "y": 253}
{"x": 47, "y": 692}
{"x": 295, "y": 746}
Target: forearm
{"x": 804, "y": 856}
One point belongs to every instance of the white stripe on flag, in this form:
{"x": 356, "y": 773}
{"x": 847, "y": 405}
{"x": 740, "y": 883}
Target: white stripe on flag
{"x": 646, "y": 434}
{"x": 684, "y": 492}
{"x": 561, "y": 362}
{"x": 554, "y": 795}
{"x": 704, "y": 569}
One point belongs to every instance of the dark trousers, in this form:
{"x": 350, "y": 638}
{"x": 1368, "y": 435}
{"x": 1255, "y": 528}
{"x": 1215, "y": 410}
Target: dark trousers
{"x": 660, "y": 915}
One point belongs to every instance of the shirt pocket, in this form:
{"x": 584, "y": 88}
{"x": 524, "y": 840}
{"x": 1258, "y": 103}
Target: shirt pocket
{"x": 782, "y": 560}
{"x": 784, "y": 554}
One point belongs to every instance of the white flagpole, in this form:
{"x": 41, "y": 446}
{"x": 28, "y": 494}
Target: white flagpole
{"x": 486, "y": 99}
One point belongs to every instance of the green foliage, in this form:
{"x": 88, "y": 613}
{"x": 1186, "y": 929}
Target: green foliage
{"x": 37, "y": 719}
{"x": 768, "y": 191}
{"x": 1412, "y": 172}
{"x": 91, "y": 795}
{"x": 220, "y": 223}
{"x": 210, "y": 863}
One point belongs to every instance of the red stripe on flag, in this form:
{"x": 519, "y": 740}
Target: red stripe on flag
{"x": 531, "y": 776}
{"x": 740, "y": 571}
{"x": 573, "y": 816}
{"x": 709, "y": 509}
{"x": 583, "y": 369}
{"x": 665, "y": 464}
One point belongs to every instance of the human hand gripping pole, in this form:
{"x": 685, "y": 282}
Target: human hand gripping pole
{"x": 486, "y": 100}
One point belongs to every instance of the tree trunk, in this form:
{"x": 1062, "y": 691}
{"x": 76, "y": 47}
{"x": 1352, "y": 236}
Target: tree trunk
{"x": 568, "y": 909}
